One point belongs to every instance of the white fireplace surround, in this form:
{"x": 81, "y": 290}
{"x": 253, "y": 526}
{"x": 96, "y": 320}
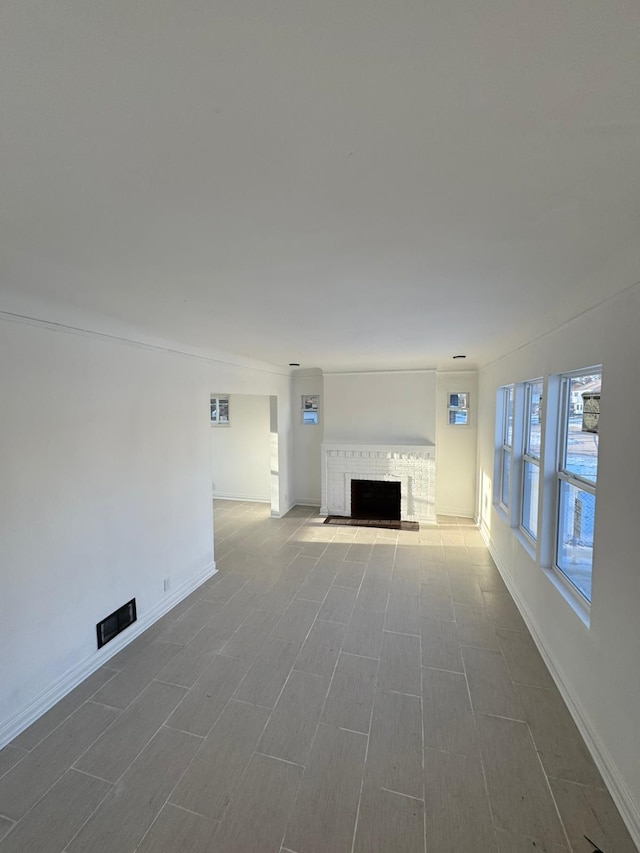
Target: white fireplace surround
{"x": 412, "y": 465}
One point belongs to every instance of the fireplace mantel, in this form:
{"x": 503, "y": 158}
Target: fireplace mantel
{"x": 412, "y": 465}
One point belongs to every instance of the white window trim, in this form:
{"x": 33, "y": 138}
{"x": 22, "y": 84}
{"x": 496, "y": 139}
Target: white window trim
{"x": 465, "y": 409}
{"x": 218, "y": 398}
{"x": 531, "y": 459}
{"x": 562, "y": 475}
{"x": 315, "y": 410}
{"x": 506, "y": 450}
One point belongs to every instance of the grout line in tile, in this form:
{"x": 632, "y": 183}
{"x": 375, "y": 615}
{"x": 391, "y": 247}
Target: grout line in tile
{"x": 88, "y": 818}
{"x": 107, "y": 705}
{"x": 364, "y": 766}
{"x": 549, "y": 788}
{"x": 166, "y": 725}
{"x": 401, "y": 692}
{"x": 196, "y": 753}
{"x": 401, "y": 633}
{"x": 354, "y": 655}
{"x": 503, "y": 717}
{"x": 171, "y": 684}
{"x": 277, "y": 758}
{"x": 440, "y": 669}
{"x": 92, "y": 775}
{"x": 345, "y": 729}
{"x": 400, "y": 794}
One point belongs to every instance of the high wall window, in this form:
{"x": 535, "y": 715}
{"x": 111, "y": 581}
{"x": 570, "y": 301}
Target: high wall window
{"x": 531, "y": 457}
{"x": 577, "y": 476}
{"x": 220, "y": 411}
{"x": 310, "y": 406}
{"x": 458, "y": 408}
{"x": 506, "y": 450}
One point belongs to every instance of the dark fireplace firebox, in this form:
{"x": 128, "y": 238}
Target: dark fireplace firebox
{"x": 375, "y": 499}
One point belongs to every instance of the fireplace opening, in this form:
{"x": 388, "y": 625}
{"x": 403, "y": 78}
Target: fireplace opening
{"x": 375, "y": 499}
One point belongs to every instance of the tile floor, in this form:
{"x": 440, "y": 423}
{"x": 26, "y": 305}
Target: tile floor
{"x": 330, "y": 689}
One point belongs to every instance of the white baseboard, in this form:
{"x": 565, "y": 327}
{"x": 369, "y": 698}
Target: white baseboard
{"x": 276, "y": 514}
{"x": 447, "y": 510}
{"x": 23, "y": 718}
{"x": 616, "y": 786}
{"x": 305, "y": 502}
{"x": 224, "y": 496}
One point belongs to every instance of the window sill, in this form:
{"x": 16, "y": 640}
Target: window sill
{"x": 503, "y": 513}
{"x": 576, "y": 602}
{"x": 527, "y": 543}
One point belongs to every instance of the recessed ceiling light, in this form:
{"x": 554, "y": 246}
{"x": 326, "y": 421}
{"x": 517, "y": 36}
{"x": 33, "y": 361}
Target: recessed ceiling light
{"x": 459, "y": 356}
{"x": 294, "y": 364}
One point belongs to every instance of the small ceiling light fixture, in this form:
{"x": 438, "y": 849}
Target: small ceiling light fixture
{"x": 294, "y": 364}
{"x": 459, "y": 356}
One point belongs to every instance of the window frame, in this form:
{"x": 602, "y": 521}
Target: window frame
{"x": 504, "y": 448}
{"x": 530, "y": 458}
{"x": 221, "y": 401}
{"x": 310, "y": 404}
{"x": 455, "y": 408}
{"x": 571, "y": 479}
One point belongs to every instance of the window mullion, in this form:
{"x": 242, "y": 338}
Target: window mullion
{"x": 578, "y": 482}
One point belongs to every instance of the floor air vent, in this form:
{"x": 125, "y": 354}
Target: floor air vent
{"x": 116, "y": 622}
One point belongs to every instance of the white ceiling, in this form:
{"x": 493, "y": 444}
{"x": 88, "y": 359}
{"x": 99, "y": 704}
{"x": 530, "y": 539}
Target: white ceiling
{"x": 349, "y": 185}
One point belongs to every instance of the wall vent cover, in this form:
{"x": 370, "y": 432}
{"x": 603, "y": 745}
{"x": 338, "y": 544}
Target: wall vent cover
{"x": 116, "y": 622}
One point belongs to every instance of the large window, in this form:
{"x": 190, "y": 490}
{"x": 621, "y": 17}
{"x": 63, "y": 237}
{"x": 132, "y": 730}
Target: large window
{"x": 577, "y": 476}
{"x": 531, "y": 457}
{"x": 506, "y": 451}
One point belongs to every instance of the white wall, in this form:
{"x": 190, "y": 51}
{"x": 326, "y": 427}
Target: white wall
{"x": 406, "y": 407}
{"x": 105, "y": 491}
{"x": 236, "y": 379}
{"x": 596, "y": 666}
{"x": 394, "y": 408}
{"x": 456, "y": 447}
{"x": 240, "y": 452}
{"x": 307, "y": 438}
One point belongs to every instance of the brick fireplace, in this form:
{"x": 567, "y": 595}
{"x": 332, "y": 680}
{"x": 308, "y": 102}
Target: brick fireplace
{"x": 413, "y": 466}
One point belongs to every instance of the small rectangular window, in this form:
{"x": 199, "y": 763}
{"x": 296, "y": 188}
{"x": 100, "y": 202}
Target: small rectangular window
{"x": 310, "y": 408}
{"x": 577, "y": 476}
{"x": 458, "y": 408}
{"x": 219, "y": 411}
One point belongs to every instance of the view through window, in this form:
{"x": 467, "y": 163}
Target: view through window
{"x": 577, "y": 477}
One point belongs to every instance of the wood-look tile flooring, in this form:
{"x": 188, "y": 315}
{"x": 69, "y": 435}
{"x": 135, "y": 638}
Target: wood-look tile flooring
{"x": 330, "y": 689}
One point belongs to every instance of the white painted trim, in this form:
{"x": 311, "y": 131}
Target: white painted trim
{"x": 615, "y": 784}
{"x": 224, "y": 496}
{"x": 377, "y": 372}
{"x": 140, "y": 343}
{"x": 276, "y": 514}
{"x": 305, "y": 502}
{"x": 23, "y": 718}
{"x": 447, "y": 510}
{"x": 609, "y": 300}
